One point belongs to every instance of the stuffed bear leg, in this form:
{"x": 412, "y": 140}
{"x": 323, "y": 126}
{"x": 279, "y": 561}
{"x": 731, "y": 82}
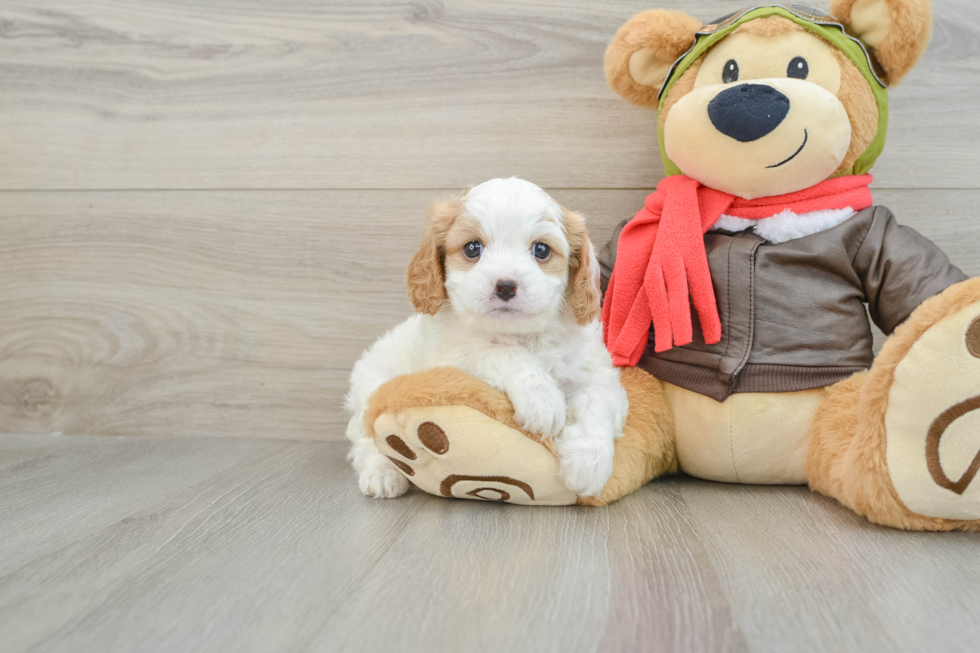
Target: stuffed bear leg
{"x": 452, "y": 435}
{"x": 900, "y": 443}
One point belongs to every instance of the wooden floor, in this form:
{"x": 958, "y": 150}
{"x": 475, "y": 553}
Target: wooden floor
{"x": 219, "y": 544}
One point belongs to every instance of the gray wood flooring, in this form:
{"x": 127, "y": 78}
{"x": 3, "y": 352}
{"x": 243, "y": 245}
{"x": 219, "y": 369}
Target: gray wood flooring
{"x": 141, "y": 544}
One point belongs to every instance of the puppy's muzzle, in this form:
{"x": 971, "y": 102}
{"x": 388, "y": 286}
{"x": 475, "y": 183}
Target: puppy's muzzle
{"x": 748, "y": 112}
{"x": 506, "y": 289}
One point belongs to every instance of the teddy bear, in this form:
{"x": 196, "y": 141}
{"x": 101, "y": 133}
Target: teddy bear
{"x": 737, "y": 300}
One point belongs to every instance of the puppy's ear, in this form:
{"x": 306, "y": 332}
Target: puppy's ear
{"x": 584, "y": 295}
{"x": 426, "y": 275}
{"x": 897, "y": 31}
{"x": 644, "y": 49}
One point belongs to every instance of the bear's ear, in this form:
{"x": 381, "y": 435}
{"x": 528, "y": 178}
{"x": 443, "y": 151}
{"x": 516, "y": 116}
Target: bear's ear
{"x": 897, "y": 31}
{"x": 644, "y": 49}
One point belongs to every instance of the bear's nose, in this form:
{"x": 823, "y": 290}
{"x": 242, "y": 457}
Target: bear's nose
{"x": 748, "y": 112}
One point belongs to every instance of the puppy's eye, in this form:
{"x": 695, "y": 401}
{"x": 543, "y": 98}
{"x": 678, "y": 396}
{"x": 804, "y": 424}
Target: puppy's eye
{"x": 541, "y": 251}
{"x": 798, "y": 68}
{"x": 730, "y": 73}
{"x": 473, "y": 249}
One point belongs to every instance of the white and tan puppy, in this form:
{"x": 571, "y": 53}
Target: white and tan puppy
{"x": 506, "y": 286}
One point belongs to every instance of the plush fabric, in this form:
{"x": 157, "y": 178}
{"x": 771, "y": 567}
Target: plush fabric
{"x": 661, "y": 263}
{"x": 934, "y": 406}
{"x": 661, "y": 36}
{"x": 457, "y": 451}
{"x": 848, "y": 457}
{"x": 859, "y": 99}
{"x": 647, "y": 448}
{"x": 751, "y": 437}
{"x": 863, "y": 106}
{"x": 848, "y": 48}
{"x": 482, "y": 454}
{"x": 898, "y": 47}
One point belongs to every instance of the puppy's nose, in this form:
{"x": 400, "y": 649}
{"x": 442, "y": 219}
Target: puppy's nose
{"x": 506, "y": 289}
{"x": 748, "y": 112}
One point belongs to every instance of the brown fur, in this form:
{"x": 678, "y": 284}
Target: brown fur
{"x": 584, "y": 295}
{"x": 647, "y": 448}
{"x": 556, "y": 264}
{"x": 847, "y": 458}
{"x": 670, "y": 33}
{"x": 426, "y": 272}
{"x": 465, "y": 229}
{"x": 645, "y": 451}
{"x": 861, "y": 107}
{"x": 442, "y": 386}
{"x": 911, "y": 29}
{"x": 768, "y": 27}
{"x": 683, "y": 86}
{"x": 644, "y": 30}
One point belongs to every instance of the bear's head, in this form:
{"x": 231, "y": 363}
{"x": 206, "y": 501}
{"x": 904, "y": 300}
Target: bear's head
{"x": 774, "y": 99}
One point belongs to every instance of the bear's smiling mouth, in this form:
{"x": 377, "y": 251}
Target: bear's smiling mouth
{"x": 805, "y": 137}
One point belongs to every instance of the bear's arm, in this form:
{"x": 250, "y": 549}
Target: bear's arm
{"x": 900, "y": 269}
{"x": 607, "y": 257}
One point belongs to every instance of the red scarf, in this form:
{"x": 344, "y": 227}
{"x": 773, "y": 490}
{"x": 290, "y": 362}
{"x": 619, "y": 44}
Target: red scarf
{"x": 661, "y": 265}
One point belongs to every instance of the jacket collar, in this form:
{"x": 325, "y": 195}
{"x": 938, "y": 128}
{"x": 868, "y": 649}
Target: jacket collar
{"x": 786, "y": 226}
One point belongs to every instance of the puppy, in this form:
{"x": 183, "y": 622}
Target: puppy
{"x": 506, "y": 287}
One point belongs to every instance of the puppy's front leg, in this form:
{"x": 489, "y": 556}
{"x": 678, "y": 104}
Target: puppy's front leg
{"x": 390, "y": 356}
{"x": 597, "y": 414}
{"x": 539, "y": 404}
{"x": 376, "y": 475}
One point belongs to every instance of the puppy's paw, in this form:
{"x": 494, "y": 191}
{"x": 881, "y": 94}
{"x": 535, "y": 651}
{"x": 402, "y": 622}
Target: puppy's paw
{"x": 540, "y": 409}
{"x": 380, "y": 479}
{"x": 586, "y": 460}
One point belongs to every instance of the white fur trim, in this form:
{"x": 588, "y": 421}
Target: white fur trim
{"x": 731, "y": 223}
{"x": 787, "y": 225}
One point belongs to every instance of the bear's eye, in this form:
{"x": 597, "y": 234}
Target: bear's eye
{"x": 798, "y": 68}
{"x": 473, "y": 249}
{"x": 730, "y": 73}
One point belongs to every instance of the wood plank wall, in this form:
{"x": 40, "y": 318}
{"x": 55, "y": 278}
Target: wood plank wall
{"x": 206, "y": 207}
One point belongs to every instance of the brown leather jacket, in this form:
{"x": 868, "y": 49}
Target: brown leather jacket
{"x": 793, "y": 314}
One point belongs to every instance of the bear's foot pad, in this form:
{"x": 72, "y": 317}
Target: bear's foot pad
{"x": 933, "y": 420}
{"x": 458, "y": 452}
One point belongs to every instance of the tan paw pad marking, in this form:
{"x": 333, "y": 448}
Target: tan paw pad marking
{"x": 481, "y": 492}
{"x": 456, "y": 451}
{"x": 932, "y": 422}
{"x": 433, "y": 437}
{"x": 934, "y": 440}
{"x": 399, "y": 445}
{"x": 973, "y": 338}
{"x": 446, "y": 487}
